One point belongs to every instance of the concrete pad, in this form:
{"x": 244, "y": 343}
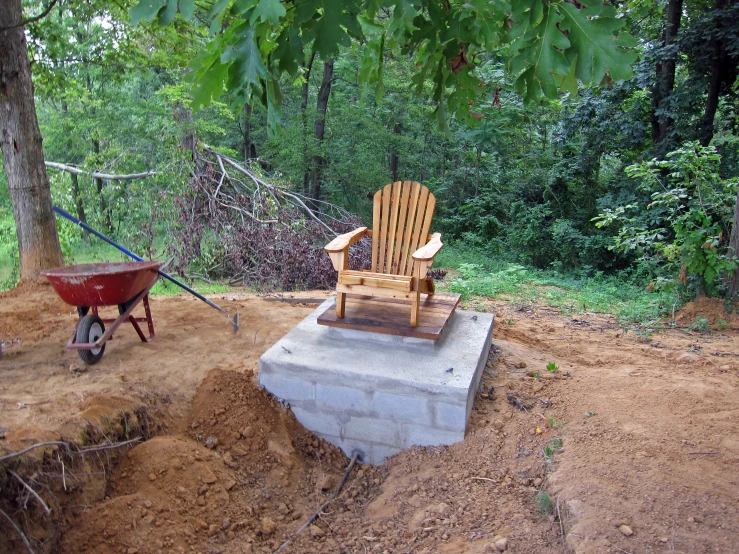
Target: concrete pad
{"x": 379, "y": 393}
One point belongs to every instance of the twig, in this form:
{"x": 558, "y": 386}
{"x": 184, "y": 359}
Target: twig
{"x": 33, "y": 492}
{"x": 107, "y": 446}
{"x": 312, "y": 518}
{"x": 32, "y": 19}
{"x": 483, "y": 479}
{"x": 18, "y": 530}
{"x": 33, "y": 446}
{"x": 704, "y": 452}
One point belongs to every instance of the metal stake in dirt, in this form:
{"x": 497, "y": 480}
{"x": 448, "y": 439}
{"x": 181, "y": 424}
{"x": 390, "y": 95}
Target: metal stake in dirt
{"x": 86, "y": 227}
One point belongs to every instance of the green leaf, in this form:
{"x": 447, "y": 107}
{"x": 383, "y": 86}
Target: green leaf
{"x": 595, "y": 50}
{"x": 268, "y": 10}
{"x": 146, "y": 10}
{"x": 541, "y": 66}
{"x": 187, "y": 8}
{"x": 247, "y": 66}
{"x": 168, "y": 13}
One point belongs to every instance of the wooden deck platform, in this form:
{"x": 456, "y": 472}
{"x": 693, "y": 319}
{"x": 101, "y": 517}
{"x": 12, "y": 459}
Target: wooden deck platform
{"x": 393, "y": 317}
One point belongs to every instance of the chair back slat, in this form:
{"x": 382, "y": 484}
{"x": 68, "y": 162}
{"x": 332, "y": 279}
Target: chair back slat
{"x": 394, "y": 209}
{"x": 410, "y": 222}
{"x": 401, "y": 219}
{"x": 400, "y": 232}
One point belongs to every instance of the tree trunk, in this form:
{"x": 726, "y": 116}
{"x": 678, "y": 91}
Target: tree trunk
{"x": 477, "y": 176}
{"x": 105, "y": 216}
{"x": 734, "y": 251}
{"x": 718, "y": 72}
{"x": 394, "y": 154}
{"x": 321, "y": 106}
{"x": 661, "y": 125}
{"x": 250, "y": 151}
{"x": 23, "y": 156}
{"x": 304, "y": 118}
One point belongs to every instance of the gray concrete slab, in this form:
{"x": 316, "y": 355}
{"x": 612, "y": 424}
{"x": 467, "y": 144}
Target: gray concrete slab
{"x": 379, "y": 393}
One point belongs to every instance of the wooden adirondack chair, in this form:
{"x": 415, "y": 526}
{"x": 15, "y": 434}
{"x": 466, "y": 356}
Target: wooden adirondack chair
{"x": 402, "y": 249}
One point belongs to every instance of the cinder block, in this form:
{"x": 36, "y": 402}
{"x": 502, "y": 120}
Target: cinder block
{"x": 287, "y": 387}
{"x": 317, "y": 421}
{"x": 343, "y": 398}
{"x": 424, "y": 435}
{"x": 403, "y": 407}
{"x": 372, "y": 430}
{"x": 379, "y": 393}
{"x": 450, "y": 416}
{"x": 379, "y": 452}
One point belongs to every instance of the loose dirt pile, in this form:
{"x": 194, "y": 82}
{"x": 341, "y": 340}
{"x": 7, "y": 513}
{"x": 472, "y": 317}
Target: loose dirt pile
{"x": 628, "y": 445}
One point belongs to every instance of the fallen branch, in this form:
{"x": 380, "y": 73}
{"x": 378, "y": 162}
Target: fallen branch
{"x": 18, "y": 531}
{"x": 29, "y": 489}
{"x": 96, "y": 175}
{"x": 32, "y": 447}
{"x": 69, "y": 448}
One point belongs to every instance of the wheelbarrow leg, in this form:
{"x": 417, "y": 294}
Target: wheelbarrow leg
{"x": 149, "y": 321}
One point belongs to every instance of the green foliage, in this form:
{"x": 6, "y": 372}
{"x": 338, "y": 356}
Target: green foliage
{"x": 489, "y": 278}
{"x": 552, "y": 45}
{"x": 544, "y": 503}
{"x": 9, "y": 269}
{"x": 686, "y": 223}
{"x": 552, "y": 367}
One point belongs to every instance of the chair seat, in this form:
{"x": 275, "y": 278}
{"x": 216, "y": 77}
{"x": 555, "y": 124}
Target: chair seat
{"x": 377, "y": 280}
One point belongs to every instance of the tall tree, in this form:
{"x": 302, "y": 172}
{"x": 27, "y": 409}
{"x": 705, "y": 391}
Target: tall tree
{"x": 320, "y": 128}
{"x": 23, "y": 156}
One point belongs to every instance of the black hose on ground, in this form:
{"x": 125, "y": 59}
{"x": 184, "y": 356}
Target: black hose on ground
{"x": 312, "y": 518}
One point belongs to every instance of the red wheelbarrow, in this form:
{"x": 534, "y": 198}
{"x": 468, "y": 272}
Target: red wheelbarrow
{"x": 90, "y": 286}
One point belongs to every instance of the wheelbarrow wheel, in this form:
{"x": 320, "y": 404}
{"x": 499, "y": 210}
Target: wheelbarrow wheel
{"x": 89, "y": 330}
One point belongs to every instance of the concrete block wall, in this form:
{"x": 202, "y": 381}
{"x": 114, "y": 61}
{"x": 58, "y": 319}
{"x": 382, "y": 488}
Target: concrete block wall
{"x": 376, "y": 393}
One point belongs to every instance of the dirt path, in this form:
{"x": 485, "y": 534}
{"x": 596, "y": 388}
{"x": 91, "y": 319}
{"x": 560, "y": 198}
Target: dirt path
{"x": 232, "y": 471}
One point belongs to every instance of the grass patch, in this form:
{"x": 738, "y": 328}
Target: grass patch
{"x": 483, "y": 277}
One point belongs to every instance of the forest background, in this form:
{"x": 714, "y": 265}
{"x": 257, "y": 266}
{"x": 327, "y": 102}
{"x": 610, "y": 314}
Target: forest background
{"x": 626, "y": 191}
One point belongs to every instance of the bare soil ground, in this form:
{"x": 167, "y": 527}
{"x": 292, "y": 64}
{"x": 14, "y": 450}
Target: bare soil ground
{"x": 642, "y": 454}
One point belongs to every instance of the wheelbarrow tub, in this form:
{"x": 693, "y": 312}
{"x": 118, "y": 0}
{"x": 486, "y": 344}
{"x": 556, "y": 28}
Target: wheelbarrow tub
{"x": 102, "y": 284}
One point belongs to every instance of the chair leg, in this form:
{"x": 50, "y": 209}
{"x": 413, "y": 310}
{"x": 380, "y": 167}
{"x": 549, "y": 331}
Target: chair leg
{"x": 340, "y": 304}
{"x": 430, "y": 289}
{"x": 415, "y": 307}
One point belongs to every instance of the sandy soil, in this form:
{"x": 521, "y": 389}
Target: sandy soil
{"x": 642, "y": 452}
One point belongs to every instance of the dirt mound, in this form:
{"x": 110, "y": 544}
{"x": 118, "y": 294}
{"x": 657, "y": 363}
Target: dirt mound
{"x": 712, "y": 309}
{"x": 30, "y": 312}
{"x": 245, "y": 476}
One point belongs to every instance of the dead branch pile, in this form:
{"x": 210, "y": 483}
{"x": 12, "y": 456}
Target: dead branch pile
{"x": 235, "y": 225}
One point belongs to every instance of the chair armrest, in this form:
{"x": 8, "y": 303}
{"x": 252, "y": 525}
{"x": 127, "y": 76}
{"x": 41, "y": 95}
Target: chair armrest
{"x": 342, "y": 242}
{"x": 426, "y": 253}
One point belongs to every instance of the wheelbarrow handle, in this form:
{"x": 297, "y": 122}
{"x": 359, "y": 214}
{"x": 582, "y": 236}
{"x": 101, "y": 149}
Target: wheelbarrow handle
{"x": 125, "y": 250}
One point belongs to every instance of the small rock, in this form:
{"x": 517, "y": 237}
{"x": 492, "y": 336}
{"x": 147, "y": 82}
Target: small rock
{"x": 212, "y": 529}
{"x": 691, "y": 519}
{"x": 152, "y": 477}
{"x": 625, "y": 530}
{"x": 226, "y": 524}
{"x": 228, "y": 485}
{"x": 247, "y": 433}
{"x": 267, "y": 526}
{"x": 147, "y": 504}
{"x": 315, "y": 531}
{"x": 209, "y": 479}
{"x": 325, "y": 482}
{"x": 521, "y": 365}
{"x": 211, "y": 442}
{"x": 498, "y": 424}
{"x": 537, "y": 481}
{"x": 501, "y": 544}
